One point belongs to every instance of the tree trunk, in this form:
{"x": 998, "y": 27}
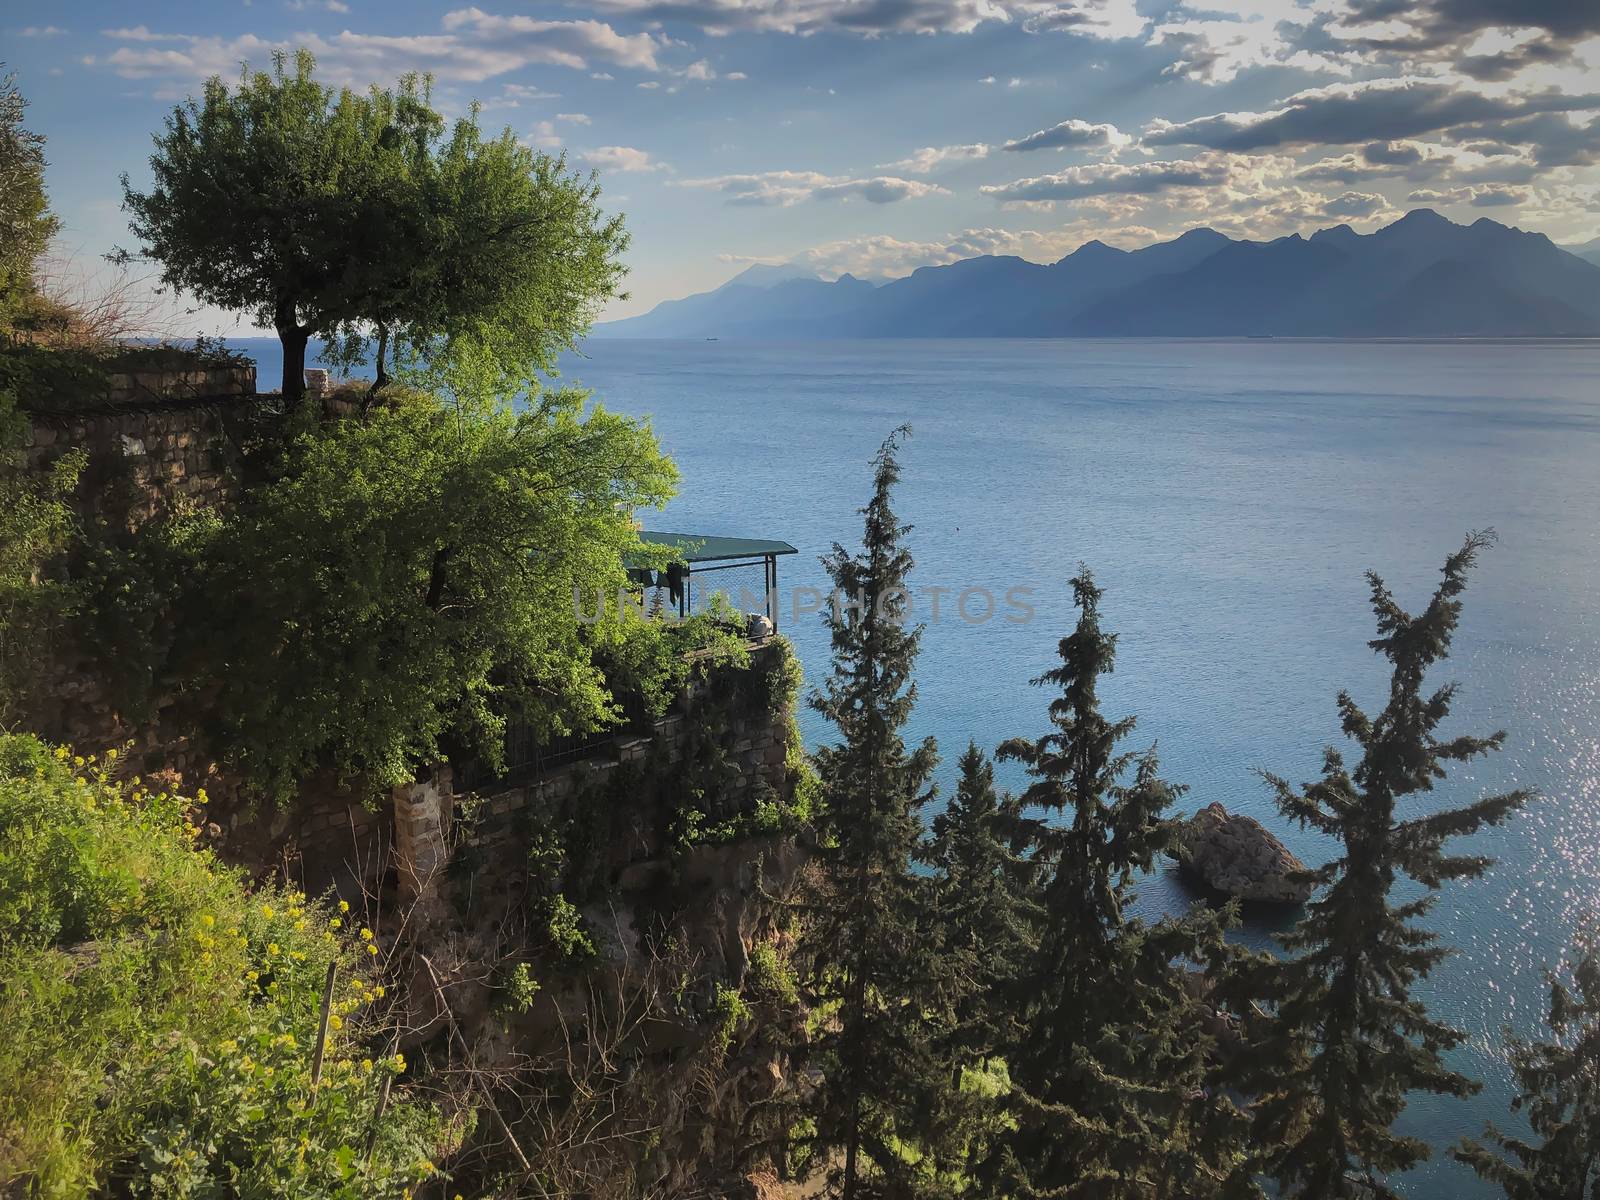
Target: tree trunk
{"x": 293, "y": 336}
{"x": 383, "y": 346}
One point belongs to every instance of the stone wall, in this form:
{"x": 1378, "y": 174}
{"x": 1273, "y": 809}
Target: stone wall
{"x": 158, "y": 441}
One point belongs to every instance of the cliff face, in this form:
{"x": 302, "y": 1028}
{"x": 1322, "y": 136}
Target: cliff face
{"x": 604, "y": 943}
{"x": 586, "y": 961}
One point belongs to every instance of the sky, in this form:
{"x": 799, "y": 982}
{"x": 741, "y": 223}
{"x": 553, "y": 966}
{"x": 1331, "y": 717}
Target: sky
{"x": 877, "y": 136}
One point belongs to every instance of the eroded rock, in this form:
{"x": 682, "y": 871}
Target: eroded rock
{"x": 1237, "y": 856}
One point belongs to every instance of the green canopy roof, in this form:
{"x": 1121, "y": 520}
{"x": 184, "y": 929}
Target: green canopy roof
{"x": 700, "y": 547}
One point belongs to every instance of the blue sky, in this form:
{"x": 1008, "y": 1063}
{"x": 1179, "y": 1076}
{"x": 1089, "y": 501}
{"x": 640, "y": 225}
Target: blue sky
{"x": 876, "y": 136}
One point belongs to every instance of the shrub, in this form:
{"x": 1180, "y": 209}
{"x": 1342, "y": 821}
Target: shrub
{"x": 728, "y": 1012}
{"x": 160, "y": 1020}
{"x": 770, "y": 979}
{"x": 563, "y": 928}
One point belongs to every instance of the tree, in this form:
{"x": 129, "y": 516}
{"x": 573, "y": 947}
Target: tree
{"x": 410, "y": 577}
{"x": 982, "y": 911}
{"x": 871, "y": 971}
{"x": 1108, "y": 1097}
{"x": 337, "y": 214}
{"x": 1559, "y": 1089}
{"x": 1349, "y": 1040}
{"x": 26, "y": 224}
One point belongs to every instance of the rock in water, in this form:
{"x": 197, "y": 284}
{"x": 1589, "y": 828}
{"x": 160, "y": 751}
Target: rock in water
{"x": 1236, "y": 856}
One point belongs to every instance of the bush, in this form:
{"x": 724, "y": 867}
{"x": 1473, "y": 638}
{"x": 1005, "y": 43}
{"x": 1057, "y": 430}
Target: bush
{"x": 728, "y": 1012}
{"x": 770, "y": 979}
{"x": 160, "y": 1020}
{"x": 408, "y": 582}
{"x": 563, "y": 929}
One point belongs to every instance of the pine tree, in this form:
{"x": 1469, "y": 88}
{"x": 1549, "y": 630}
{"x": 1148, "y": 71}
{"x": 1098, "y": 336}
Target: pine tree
{"x": 1109, "y": 1096}
{"x": 1559, "y": 1082}
{"x": 983, "y": 915}
{"x": 873, "y": 977}
{"x": 1349, "y": 1040}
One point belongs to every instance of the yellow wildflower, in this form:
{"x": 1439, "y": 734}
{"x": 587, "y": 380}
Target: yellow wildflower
{"x": 344, "y": 906}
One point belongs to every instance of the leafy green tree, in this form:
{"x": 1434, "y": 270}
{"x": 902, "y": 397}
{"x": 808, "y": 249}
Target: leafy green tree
{"x": 343, "y": 214}
{"x": 412, "y": 575}
{"x": 1350, "y": 1040}
{"x": 872, "y": 973}
{"x": 1559, "y": 1090}
{"x": 26, "y": 224}
{"x": 1108, "y": 1096}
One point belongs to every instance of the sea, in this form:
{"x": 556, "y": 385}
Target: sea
{"x": 1229, "y": 497}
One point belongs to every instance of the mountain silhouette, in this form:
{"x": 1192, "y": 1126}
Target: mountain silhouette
{"x": 1422, "y": 276}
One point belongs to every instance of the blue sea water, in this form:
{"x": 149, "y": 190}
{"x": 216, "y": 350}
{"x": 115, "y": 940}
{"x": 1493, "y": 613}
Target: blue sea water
{"x": 1229, "y": 496}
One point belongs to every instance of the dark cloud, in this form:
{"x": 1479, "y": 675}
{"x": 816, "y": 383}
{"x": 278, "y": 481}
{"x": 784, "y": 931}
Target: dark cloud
{"x": 1379, "y": 110}
{"x": 1442, "y": 30}
{"x": 1552, "y": 139}
{"x": 1439, "y": 23}
{"x": 1392, "y": 154}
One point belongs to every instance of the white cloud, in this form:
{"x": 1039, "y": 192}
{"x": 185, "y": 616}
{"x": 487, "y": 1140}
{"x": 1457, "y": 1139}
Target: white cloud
{"x": 1074, "y": 134}
{"x": 474, "y": 46}
{"x": 862, "y": 17}
{"x": 1106, "y": 179}
{"x": 574, "y": 118}
{"x": 929, "y": 158}
{"x": 785, "y": 188}
{"x": 623, "y": 159}
{"x": 41, "y": 31}
{"x": 1107, "y": 19}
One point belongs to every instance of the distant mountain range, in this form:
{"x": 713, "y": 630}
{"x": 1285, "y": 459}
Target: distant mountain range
{"x": 1423, "y": 276}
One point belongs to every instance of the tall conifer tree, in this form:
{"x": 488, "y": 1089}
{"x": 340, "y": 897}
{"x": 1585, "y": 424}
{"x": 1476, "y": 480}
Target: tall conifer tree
{"x": 874, "y": 976}
{"x": 1559, "y": 1091}
{"x": 1108, "y": 1098}
{"x": 982, "y": 913}
{"x": 1350, "y": 1041}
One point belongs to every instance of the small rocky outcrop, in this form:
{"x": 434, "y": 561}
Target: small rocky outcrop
{"x": 1237, "y": 856}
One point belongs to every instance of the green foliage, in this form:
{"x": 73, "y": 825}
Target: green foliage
{"x": 35, "y": 525}
{"x": 1350, "y": 1041}
{"x": 1558, "y": 1088}
{"x": 26, "y": 224}
{"x": 883, "y": 1087}
{"x": 1110, "y": 1069}
{"x": 561, "y": 925}
{"x": 983, "y": 911}
{"x": 348, "y": 214}
{"x": 410, "y": 576}
{"x": 728, "y": 1013}
{"x": 770, "y": 979}
{"x": 160, "y": 1020}
{"x": 516, "y": 990}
